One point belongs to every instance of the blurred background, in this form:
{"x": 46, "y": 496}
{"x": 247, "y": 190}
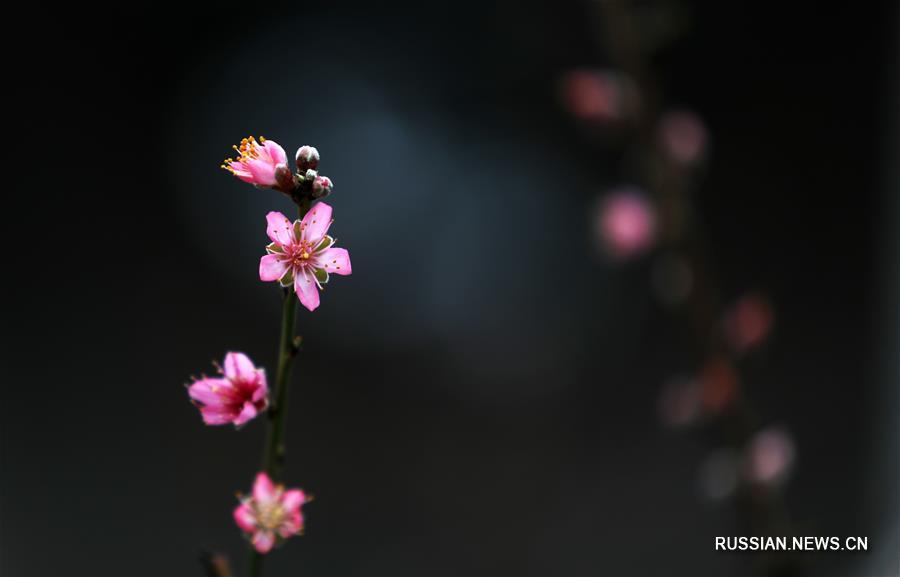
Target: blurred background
{"x": 625, "y": 279}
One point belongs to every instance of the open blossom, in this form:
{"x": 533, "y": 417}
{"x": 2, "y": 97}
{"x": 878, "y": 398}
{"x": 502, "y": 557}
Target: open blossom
{"x": 259, "y": 162}
{"x": 301, "y": 253}
{"x": 236, "y": 397}
{"x": 626, "y": 223}
{"x": 270, "y": 514}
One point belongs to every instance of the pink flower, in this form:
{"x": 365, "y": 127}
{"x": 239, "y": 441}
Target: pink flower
{"x": 258, "y": 161}
{"x": 270, "y": 513}
{"x": 626, "y": 223}
{"x": 749, "y": 322}
{"x": 770, "y": 456}
{"x": 238, "y": 397}
{"x": 599, "y": 96}
{"x": 302, "y": 254}
{"x": 683, "y": 136}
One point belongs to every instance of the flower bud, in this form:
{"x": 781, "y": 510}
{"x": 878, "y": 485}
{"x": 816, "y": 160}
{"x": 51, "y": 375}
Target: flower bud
{"x": 310, "y": 175}
{"x": 284, "y": 178}
{"x": 307, "y": 157}
{"x": 321, "y": 187}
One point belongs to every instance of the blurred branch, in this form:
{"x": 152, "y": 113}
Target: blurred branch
{"x": 761, "y": 507}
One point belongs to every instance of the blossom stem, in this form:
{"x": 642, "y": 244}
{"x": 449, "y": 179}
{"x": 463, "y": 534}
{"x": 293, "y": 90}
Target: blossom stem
{"x": 274, "y": 449}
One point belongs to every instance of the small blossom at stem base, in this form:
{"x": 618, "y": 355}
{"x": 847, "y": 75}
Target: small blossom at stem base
{"x": 259, "y": 163}
{"x": 236, "y": 397}
{"x": 270, "y": 514}
{"x": 301, "y": 254}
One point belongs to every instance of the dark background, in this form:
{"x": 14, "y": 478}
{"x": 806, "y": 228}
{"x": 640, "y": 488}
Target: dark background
{"x": 479, "y": 396}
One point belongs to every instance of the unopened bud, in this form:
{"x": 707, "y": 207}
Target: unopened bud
{"x": 284, "y": 178}
{"x": 321, "y": 187}
{"x": 310, "y": 175}
{"x": 307, "y": 157}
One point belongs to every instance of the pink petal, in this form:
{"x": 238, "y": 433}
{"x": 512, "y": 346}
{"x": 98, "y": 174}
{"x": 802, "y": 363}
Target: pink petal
{"x": 240, "y": 170}
{"x": 263, "y": 541}
{"x": 261, "y": 389}
{"x": 316, "y": 222}
{"x": 334, "y": 261}
{"x": 211, "y": 392}
{"x": 248, "y": 412}
{"x": 243, "y": 516}
{"x": 306, "y": 288}
{"x": 239, "y": 368}
{"x": 275, "y": 152}
{"x": 272, "y": 267}
{"x": 279, "y": 228}
{"x": 217, "y": 415}
{"x": 263, "y": 172}
{"x": 263, "y": 489}
{"x": 291, "y": 526}
{"x": 291, "y": 500}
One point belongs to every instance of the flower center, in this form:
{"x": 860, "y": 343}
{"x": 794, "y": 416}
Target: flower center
{"x": 248, "y": 150}
{"x": 301, "y": 254}
{"x": 270, "y": 515}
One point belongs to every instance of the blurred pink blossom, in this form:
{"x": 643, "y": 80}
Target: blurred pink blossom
{"x": 597, "y": 95}
{"x": 270, "y": 514}
{"x": 683, "y": 136}
{"x": 258, "y": 162}
{"x": 238, "y": 396}
{"x": 770, "y": 456}
{"x": 749, "y": 322}
{"x": 718, "y": 385}
{"x": 626, "y": 223}
{"x": 679, "y": 402}
{"x": 301, "y": 253}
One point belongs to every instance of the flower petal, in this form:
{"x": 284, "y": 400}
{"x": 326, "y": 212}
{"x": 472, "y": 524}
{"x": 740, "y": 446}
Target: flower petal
{"x": 316, "y": 222}
{"x": 279, "y": 228}
{"x": 247, "y": 413}
{"x": 275, "y": 152}
{"x": 292, "y": 525}
{"x": 238, "y": 367}
{"x": 263, "y": 541}
{"x": 291, "y": 500}
{"x": 272, "y": 267}
{"x": 210, "y": 391}
{"x": 217, "y": 415}
{"x": 243, "y": 516}
{"x": 263, "y": 172}
{"x": 263, "y": 489}
{"x": 306, "y": 288}
{"x": 334, "y": 261}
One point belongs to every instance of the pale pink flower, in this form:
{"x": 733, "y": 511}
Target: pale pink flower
{"x": 749, "y": 322}
{"x": 236, "y": 397}
{"x": 258, "y": 162}
{"x": 626, "y": 223}
{"x": 270, "y": 514}
{"x": 301, "y": 253}
{"x": 770, "y": 456}
{"x": 599, "y": 96}
{"x": 683, "y": 136}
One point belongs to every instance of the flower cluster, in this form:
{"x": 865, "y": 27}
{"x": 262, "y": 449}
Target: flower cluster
{"x": 263, "y": 163}
{"x": 301, "y": 256}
